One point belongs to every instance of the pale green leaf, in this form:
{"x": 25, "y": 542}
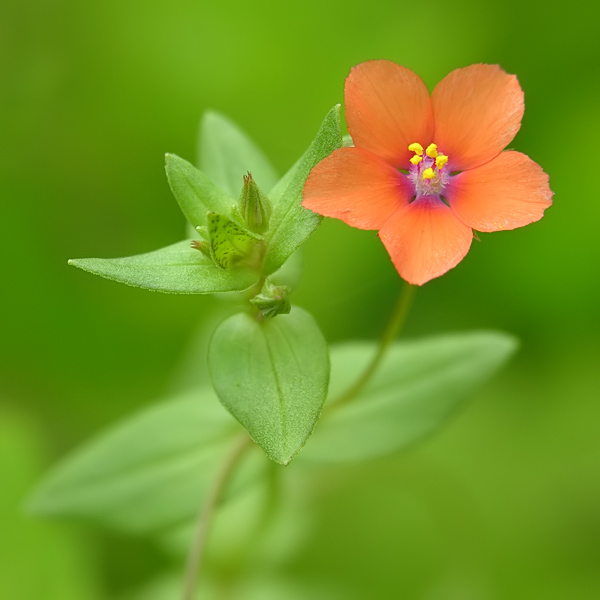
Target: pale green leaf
{"x": 226, "y": 154}
{"x": 266, "y": 583}
{"x": 291, "y": 224}
{"x": 272, "y": 376}
{"x": 149, "y": 472}
{"x": 416, "y": 389}
{"x": 68, "y": 570}
{"x": 290, "y": 274}
{"x": 194, "y": 191}
{"x": 177, "y": 269}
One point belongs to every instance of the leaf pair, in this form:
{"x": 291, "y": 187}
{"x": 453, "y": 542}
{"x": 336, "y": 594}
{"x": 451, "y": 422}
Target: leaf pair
{"x": 151, "y": 473}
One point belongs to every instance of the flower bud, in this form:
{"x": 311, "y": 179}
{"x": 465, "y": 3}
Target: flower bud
{"x": 203, "y": 246}
{"x": 272, "y": 301}
{"x": 254, "y": 206}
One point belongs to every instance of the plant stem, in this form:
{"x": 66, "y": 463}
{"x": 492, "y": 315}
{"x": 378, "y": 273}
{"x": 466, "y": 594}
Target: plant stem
{"x": 205, "y": 515}
{"x": 392, "y": 329}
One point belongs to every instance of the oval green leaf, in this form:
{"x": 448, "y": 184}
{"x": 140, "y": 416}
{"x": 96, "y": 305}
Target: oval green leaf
{"x": 226, "y": 154}
{"x": 273, "y": 377}
{"x": 417, "y": 387}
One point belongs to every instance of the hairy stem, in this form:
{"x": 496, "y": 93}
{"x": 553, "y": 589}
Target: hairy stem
{"x": 205, "y": 516}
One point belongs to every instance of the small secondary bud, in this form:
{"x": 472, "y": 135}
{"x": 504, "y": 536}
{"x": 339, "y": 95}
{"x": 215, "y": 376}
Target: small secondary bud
{"x": 203, "y": 246}
{"x": 254, "y": 206}
{"x": 272, "y": 301}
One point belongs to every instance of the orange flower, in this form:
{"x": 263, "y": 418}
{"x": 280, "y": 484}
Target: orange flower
{"x": 425, "y": 171}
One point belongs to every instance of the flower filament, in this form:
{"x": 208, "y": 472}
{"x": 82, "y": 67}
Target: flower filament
{"x": 427, "y": 172}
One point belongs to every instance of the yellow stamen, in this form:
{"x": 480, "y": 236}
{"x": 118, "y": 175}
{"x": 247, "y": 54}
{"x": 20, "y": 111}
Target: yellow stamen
{"x": 431, "y": 151}
{"x": 428, "y": 173}
{"x": 441, "y": 160}
{"x": 417, "y": 148}
{"x": 415, "y": 160}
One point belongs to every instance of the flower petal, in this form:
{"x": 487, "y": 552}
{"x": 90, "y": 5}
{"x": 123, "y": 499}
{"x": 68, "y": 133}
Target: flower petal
{"x": 387, "y": 108}
{"x": 425, "y": 239}
{"x": 509, "y": 191}
{"x": 357, "y": 187}
{"x": 477, "y": 112}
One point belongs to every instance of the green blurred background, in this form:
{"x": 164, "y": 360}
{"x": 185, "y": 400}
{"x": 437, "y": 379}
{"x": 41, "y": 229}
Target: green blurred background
{"x": 505, "y": 502}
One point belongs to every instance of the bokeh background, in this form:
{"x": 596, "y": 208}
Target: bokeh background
{"x": 505, "y": 502}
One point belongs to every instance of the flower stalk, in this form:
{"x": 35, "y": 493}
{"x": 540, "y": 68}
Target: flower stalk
{"x": 393, "y": 328}
{"x": 205, "y": 517}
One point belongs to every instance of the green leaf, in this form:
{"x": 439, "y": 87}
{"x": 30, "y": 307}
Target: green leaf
{"x": 290, "y": 274}
{"x": 194, "y": 191}
{"x": 418, "y": 386}
{"x": 272, "y": 376}
{"x": 291, "y": 224}
{"x": 149, "y": 472}
{"x": 67, "y": 568}
{"x": 266, "y": 583}
{"x": 177, "y": 269}
{"x": 226, "y": 154}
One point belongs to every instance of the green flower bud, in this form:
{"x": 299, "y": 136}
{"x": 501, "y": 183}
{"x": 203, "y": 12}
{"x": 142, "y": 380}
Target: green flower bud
{"x": 272, "y": 301}
{"x": 254, "y": 206}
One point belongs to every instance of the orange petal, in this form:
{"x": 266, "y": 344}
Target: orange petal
{"x": 357, "y": 187}
{"x": 387, "y": 108}
{"x": 477, "y": 112}
{"x": 425, "y": 239}
{"x": 508, "y": 192}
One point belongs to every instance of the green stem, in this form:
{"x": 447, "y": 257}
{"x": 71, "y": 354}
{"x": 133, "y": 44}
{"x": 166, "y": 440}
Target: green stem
{"x": 205, "y": 516}
{"x": 392, "y": 329}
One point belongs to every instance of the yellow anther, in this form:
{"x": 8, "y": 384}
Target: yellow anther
{"x": 431, "y": 151}
{"x": 415, "y": 160}
{"x": 428, "y": 173}
{"x": 441, "y": 160}
{"x": 417, "y": 148}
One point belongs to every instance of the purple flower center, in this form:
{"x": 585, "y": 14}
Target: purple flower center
{"x": 428, "y": 171}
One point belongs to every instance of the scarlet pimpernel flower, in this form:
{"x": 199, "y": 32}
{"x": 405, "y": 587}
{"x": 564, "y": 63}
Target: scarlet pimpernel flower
{"x": 428, "y": 170}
